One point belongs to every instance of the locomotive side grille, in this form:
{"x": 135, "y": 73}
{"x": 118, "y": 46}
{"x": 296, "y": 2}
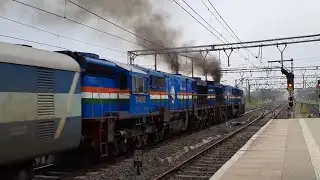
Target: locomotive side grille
{"x": 45, "y": 105}
{"x": 45, "y": 130}
{"x": 45, "y": 80}
{"x": 45, "y": 85}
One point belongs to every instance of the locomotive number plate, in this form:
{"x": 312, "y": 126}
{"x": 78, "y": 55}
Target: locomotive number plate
{"x": 140, "y": 99}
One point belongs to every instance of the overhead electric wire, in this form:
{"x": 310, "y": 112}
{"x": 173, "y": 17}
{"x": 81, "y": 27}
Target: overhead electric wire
{"x": 239, "y": 53}
{"x": 124, "y": 29}
{"x": 90, "y": 27}
{"x": 223, "y": 19}
{"x": 98, "y": 16}
{"x": 36, "y": 42}
{"x": 217, "y": 18}
{"x": 114, "y": 24}
{"x": 205, "y": 20}
{"x": 215, "y": 30}
{"x": 58, "y": 35}
{"x": 107, "y": 33}
{"x": 228, "y": 28}
{"x": 79, "y": 23}
{"x": 196, "y": 19}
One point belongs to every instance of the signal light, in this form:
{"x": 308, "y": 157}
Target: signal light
{"x": 291, "y": 104}
{"x": 290, "y": 81}
{"x": 318, "y": 84}
{"x": 290, "y": 101}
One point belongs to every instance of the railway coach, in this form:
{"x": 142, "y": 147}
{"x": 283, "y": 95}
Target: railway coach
{"x": 40, "y": 105}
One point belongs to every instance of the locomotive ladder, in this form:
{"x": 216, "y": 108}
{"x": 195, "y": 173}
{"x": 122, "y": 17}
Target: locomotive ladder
{"x": 104, "y": 140}
{"x": 103, "y": 133}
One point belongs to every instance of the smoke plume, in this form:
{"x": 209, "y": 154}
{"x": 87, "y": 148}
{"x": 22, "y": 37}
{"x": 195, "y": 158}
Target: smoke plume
{"x": 207, "y": 65}
{"x": 214, "y": 70}
{"x": 139, "y": 15}
{"x": 152, "y": 28}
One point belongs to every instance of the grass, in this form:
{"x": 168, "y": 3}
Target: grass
{"x": 253, "y": 103}
{"x": 302, "y": 111}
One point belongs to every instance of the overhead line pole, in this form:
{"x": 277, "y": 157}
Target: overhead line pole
{"x": 262, "y": 69}
{"x": 229, "y": 46}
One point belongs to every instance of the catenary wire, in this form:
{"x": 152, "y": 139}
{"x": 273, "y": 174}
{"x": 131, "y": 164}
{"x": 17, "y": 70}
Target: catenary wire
{"x": 61, "y": 36}
{"x": 240, "y": 54}
{"x": 228, "y": 27}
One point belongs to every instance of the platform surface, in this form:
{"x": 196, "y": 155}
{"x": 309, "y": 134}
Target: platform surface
{"x": 286, "y": 149}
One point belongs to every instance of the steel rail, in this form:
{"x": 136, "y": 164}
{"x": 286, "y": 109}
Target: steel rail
{"x": 184, "y": 163}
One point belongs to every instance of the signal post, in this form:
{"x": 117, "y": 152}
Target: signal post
{"x": 318, "y": 87}
{"x": 290, "y": 88}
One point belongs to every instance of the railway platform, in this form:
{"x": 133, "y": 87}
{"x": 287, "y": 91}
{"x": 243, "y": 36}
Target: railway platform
{"x": 286, "y": 149}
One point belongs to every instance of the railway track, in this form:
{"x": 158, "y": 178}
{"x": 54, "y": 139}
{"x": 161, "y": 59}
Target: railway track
{"x": 205, "y": 163}
{"x": 51, "y": 172}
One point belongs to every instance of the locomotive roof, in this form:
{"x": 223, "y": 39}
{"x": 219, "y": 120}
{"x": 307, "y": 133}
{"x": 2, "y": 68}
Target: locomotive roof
{"x": 95, "y": 59}
{"x": 151, "y": 71}
{"x": 19, "y": 54}
{"x": 99, "y": 62}
{"x": 130, "y": 68}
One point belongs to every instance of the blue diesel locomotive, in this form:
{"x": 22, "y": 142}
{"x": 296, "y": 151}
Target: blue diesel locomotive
{"x": 56, "y": 101}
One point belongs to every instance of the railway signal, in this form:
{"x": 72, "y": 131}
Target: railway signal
{"x": 290, "y": 81}
{"x": 318, "y": 86}
{"x": 290, "y": 101}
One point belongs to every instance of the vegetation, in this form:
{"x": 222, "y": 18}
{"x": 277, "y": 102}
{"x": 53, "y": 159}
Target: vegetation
{"x": 253, "y": 102}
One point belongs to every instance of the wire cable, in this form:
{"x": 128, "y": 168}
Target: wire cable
{"x": 79, "y": 23}
{"x": 90, "y": 27}
{"x": 40, "y": 43}
{"x": 211, "y": 27}
{"x": 60, "y": 36}
{"x": 239, "y": 53}
{"x": 197, "y": 20}
{"x": 223, "y": 19}
{"x": 232, "y": 32}
{"x": 217, "y": 18}
{"x": 103, "y": 18}
{"x": 36, "y": 42}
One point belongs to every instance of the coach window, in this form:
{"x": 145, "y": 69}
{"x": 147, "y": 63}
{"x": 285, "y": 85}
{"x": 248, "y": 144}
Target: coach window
{"x": 138, "y": 85}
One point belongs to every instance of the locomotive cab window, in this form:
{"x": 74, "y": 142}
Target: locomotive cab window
{"x": 157, "y": 81}
{"x": 123, "y": 81}
{"x": 138, "y": 85}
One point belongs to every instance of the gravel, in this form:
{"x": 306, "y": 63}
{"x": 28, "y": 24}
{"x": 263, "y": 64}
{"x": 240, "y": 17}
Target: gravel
{"x": 164, "y": 155}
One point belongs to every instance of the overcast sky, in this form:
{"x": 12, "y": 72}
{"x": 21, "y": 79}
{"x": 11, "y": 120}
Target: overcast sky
{"x": 250, "y": 20}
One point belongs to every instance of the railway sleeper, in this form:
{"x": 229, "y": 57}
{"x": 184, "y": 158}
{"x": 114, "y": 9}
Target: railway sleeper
{"x": 197, "y": 172}
{"x": 205, "y": 167}
{"x": 194, "y": 177}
